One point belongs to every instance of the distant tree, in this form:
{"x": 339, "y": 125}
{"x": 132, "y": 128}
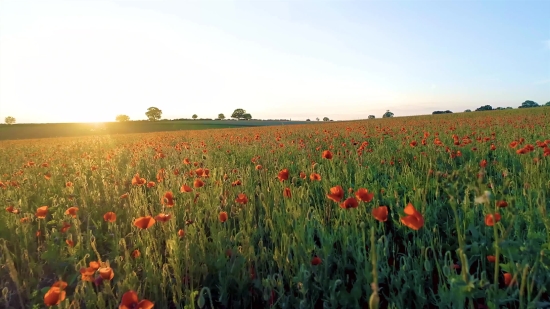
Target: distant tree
{"x": 468, "y": 111}
{"x": 528, "y": 104}
{"x": 372, "y": 117}
{"x": 500, "y": 108}
{"x": 317, "y": 118}
{"x": 153, "y": 113}
{"x": 9, "y": 120}
{"x": 122, "y": 118}
{"x": 442, "y": 112}
{"x": 484, "y": 108}
{"x": 238, "y": 113}
{"x": 221, "y": 116}
{"x": 326, "y": 119}
{"x": 509, "y": 107}
{"x": 194, "y": 116}
{"x": 547, "y": 103}
{"x": 387, "y": 114}
{"x": 247, "y": 116}
{"x": 310, "y": 120}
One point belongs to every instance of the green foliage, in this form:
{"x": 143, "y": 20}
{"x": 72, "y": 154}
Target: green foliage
{"x": 529, "y": 104}
{"x": 9, "y": 120}
{"x": 122, "y": 118}
{"x": 153, "y": 114}
{"x": 238, "y": 113}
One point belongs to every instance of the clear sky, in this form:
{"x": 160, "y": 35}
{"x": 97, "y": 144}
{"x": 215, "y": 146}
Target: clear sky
{"x": 69, "y": 61}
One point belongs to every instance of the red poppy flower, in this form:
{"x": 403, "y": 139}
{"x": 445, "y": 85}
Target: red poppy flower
{"x": 336, "y": 194}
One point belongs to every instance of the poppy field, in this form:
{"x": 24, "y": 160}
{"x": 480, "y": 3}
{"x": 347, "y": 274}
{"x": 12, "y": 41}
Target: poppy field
{"x": 446, "y": 211}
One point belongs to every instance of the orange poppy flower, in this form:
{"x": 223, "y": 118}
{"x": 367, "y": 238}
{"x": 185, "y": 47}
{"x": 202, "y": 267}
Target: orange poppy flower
{"x": 185, "y": 188}
{"x": 106, "y": 273}
{"x": 94, "y": 264}
{"x": 242, "y": 198}
{"x": 181, "y": 233}
{"x": 223, "y": 216}
{"x": 483, "y": 163}
{"x": 414, "y": 219}
{"x": 69, "y": 242}
{"x": 350, "y": 202}
{"x": 66, "y": 226}
{"x": 130, "y": 300}
{"x": 315, "y": 176}
{"x": 47, "y": 176}
{"x": 258, "y": 167}
{"x": 168, "y": 199}
{"x": 125, "y": 195}
{"x": 283, "y": 175}
{"x": 502, "y": 204}
{"x": 72, "y": 211}
{"x": 316, "y": 261}
{"x": 186, "y": 161}
{"x": 138, "y": 181}
{"x": 68, "y": 184}
{"x": 42, "y": 212}
{"x": 364, "y": 195}
{"x": 150, "y": 184}
{"x": 87, "y": 274}
{"x": 236, "y": 183}
{"x": 336, "y": 194}
{"x": 163, "y": 217}
{"x": 198, "y": 183}
{"x": 303, "y": 175}
{"x": 491, "y": 219}
{"x": 12, "y": 210}
{"x": 508, "y": 279}
{"x": 491, "y": 258}
{"x": 56, "y": 294}
{"x": 144, "y": 222}
{"x": 380, "y": 213}
{"x": 327, "y": 155}
{"x": 109, "y": 216}
{"x": 136, "y": 253}
{"x": 287, "y": 193}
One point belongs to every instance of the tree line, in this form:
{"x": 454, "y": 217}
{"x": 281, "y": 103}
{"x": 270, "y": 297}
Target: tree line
{"x": 155, "y": 113}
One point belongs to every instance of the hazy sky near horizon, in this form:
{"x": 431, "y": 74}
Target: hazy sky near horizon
{"x": 70, "y": 61}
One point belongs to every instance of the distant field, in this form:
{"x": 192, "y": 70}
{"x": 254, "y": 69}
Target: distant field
{"x": 31, "y": 131}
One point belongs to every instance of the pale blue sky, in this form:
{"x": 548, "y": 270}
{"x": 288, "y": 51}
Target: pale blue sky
{"x": 64, "y": 61}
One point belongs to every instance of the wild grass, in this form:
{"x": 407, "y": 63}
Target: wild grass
{"x": 281, "y": 250}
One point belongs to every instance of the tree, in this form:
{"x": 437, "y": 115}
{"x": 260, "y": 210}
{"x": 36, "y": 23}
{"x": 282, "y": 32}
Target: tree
{"x": 387, "y": 114}
{"x": 122, "y": 118}
{"x": 442, "y": 112}
{"x": 372, "y": 117}
{"x": 326, "y": 119}
{"x": 468, "y": 111}
{"x": 238, "y": 113}
{"x": 484, "y": 108}
{"x": 221, "y": 116}
{"x": 528, "y": 104}
{"x": 547, "y": 103}
{"x": 308, "y": 119}
{"x": 194, "y": 116}
{"x": 9, "y": 120}
{"x": 247, "y": 116}
{"x": 153, "y": 113}
{"x": 317, "y": 118}
{"x": 509, "y": 107}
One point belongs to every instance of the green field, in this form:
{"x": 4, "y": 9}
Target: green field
{"x": 445, "y": 211}
{"x": 50, "y": 130}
